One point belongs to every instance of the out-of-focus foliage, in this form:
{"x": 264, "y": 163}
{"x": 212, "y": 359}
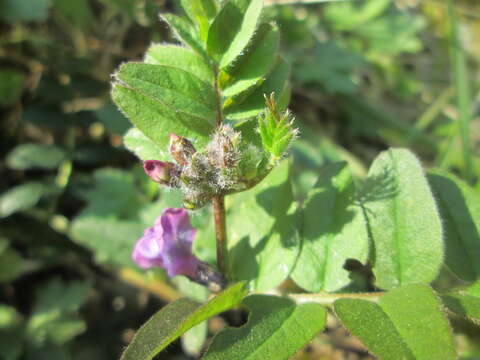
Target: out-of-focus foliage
{"x": 366, "y": 75}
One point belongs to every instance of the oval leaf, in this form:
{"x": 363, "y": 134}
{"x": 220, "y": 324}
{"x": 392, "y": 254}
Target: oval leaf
{"x": 276, "y": 329}
{"x": 30, "y": 156}
{"x": 334, "y": 230}
{"x": 157, "y": 121}
{"x": 21, "y": 197}
{"x": 175, "y": 319}
{"x": 175, "y": 88}
{"x": 407, "y": 323}
{"x": 403, "y": 219}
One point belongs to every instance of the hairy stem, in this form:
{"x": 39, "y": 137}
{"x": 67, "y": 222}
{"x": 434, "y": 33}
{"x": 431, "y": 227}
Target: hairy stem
{"x": 218, "y": 202}
{"x": 221, "y": 234}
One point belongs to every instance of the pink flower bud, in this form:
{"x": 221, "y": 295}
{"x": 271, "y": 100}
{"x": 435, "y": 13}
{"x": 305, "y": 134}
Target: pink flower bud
{"x": 158, "y": 171}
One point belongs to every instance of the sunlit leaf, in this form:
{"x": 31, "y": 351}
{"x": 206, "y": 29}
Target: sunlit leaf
{"x": 175, "y": 319}
{"x": 248, "y": 105}
{"x": 276, "y": 329}
{"x": 255, "y": 62}
{"x": 185, "y": 32}
{"x": 232, "y": 29}
{"x": 160, "y": 100}
{"x": 403, "y": 219}
{"x": 180, "y": 57}
{"x": 407, "y": 323}
{"x": 143, "y": 147}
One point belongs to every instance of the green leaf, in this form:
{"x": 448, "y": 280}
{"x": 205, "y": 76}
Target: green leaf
{"x": 407, "y": 323}
{"x": 262, "y": 231}
{"x": 403, "y": 219}
{"x": 184, "y": 32}
{"x": 200, "y": 13}
{"x": 180, "y": 57}
{"x": 109, "y": 223}
{"x": 111, "y": 240}
{"x": 21, "y": 197}
{"x": 460, "y": 210}
{"x": 141, "y": 109}
{"x": 143, "y": 147}
{"x": 194, "y": 339}
{"x": 176, "y": 88}
{"x": 276, "y": 329}
{"x": 232, "y": 29}
{"x": 331, "y": 66}
{"x": 464, "y": 302}
{"x": 256, "y": 61}
{"x": 55, "y": 314}
{"x": 175, "y": 319}
{"x": 250, "y": 105}
{"x": 162, "y": 99}
{"x": 30, "y": 156}
{"x": 11, "y": 85}
{"x": 334, "y": 230}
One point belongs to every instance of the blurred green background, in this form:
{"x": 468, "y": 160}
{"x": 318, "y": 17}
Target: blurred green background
{"x": 366, "y": 75}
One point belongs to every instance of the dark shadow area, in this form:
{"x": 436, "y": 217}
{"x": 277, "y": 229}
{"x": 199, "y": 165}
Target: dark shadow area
{"x": 378, "y": 187}
{"x": 462, "y": 241}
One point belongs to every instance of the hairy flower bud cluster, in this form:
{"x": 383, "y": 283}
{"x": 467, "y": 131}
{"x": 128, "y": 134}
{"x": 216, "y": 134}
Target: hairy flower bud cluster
{"x": 226, "y": 165}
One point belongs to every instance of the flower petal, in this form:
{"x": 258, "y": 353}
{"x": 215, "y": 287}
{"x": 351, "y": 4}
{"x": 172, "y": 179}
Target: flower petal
{"x": 148, "y": 249}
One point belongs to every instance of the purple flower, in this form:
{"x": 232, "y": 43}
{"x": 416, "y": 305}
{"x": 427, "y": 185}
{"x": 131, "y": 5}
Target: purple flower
{"x": 168, "y": 244}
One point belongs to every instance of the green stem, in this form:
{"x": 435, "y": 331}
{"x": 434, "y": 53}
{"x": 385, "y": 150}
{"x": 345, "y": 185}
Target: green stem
{"x": 329, "y": 299}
